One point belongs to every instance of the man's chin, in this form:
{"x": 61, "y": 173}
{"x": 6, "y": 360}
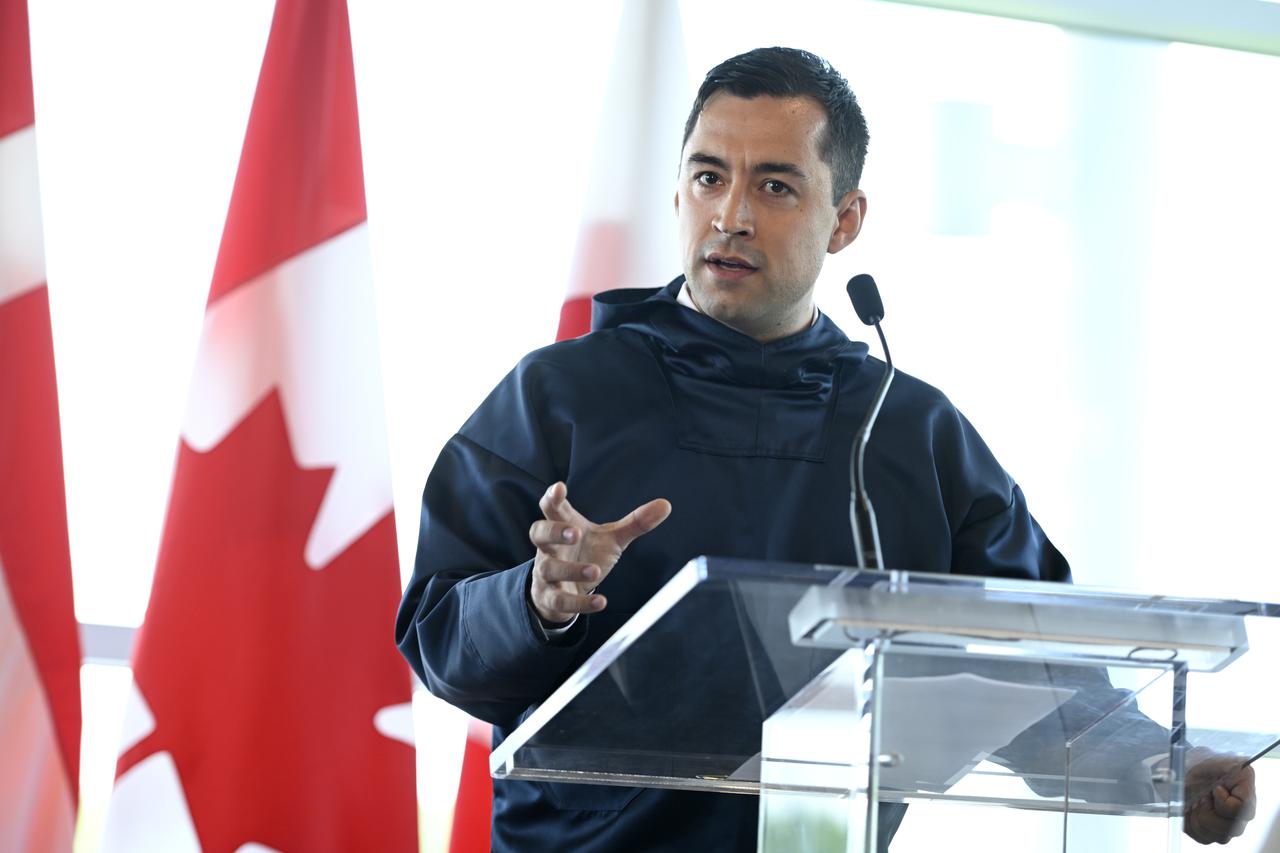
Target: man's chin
{"x": 720, "y": 297}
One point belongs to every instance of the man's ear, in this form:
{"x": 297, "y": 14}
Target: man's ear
{"x": 676, "y": 201}
{"x": 850, "y": 212}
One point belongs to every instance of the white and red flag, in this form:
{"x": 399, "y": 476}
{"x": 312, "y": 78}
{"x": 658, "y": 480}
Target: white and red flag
{"x": 270, "y": 709}
{"x": 628, "y": 232}
{"x": 39, "y": 646}
{"x": 627, "y": 239}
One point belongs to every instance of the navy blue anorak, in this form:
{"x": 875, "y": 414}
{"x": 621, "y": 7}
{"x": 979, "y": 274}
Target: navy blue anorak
{"x": 750, "y": 442}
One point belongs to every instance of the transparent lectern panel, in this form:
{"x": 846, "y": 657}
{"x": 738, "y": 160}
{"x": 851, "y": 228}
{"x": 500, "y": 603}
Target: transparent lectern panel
{"x": 982, "y": 731}
{"x": 1048, "y": 732}
{"x": 678, "y": 696}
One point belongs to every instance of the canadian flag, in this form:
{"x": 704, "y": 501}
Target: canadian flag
{"x": 627, "y": 239}
{"x": 39, "y": 647}
{"x": 270, "y": 709}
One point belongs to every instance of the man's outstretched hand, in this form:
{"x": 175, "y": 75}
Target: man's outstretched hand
{"x": 1220, "y": 798}
{"x": 574, "y": 554}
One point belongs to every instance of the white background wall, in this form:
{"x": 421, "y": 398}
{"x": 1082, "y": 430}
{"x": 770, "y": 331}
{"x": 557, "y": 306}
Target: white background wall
{"x": 1074, "y": 237}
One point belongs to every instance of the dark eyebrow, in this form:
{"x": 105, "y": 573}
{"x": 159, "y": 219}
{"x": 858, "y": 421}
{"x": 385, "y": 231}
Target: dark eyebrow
{"x": 781, "y": 169}
{"x": 708, "y": 160}
{"x": 760, "y": 168}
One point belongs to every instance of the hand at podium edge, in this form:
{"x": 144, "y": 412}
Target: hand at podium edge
{"x": 574, "y": 555}
{"x": 1220, "y": 797}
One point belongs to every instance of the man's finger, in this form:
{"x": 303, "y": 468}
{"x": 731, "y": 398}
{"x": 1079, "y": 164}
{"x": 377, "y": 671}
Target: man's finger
{"x": 1236, "y": 804}
{"x": 558, "y": 605}
{"x": 563, "y": 571}
{"x": 547, "y": 534}
{"x": 556, "y": 507}
{"x": 1243, "y": 789}
{"x": 1225, "y": 804}
{"x": 640, "y": 521}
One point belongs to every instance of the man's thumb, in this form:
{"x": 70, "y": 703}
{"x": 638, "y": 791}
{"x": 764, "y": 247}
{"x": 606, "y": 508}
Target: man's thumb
{"x": 642, "y": 519}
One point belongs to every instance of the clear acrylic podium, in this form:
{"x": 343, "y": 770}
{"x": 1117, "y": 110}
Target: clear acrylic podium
{"x": 834, "y": 694}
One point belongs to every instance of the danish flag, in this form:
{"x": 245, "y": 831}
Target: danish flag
{"x": 270, "y": 708}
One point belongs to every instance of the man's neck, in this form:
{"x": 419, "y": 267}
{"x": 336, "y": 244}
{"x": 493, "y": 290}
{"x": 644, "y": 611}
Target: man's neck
{"x": 685, "y": 298}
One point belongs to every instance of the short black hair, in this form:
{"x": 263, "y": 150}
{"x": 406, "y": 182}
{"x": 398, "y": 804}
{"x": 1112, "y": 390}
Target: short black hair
{"x": 785, "y": 72}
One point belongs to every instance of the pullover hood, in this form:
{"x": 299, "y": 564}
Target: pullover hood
{"x": 696, "y": 343}
{"x": 732, "y": 394}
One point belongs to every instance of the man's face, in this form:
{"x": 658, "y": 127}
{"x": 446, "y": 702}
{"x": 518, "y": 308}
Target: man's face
{"x": 755, "y": 212}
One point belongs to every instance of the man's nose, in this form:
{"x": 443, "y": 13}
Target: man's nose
{"x": 734, "y": 218}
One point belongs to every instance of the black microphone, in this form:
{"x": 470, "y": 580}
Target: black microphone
{"x": 862, "y": 518}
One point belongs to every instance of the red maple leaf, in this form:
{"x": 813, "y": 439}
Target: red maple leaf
{"x": 264, "y": 675}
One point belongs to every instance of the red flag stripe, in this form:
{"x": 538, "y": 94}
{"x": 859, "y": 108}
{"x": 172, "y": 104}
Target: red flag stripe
{"x": 37, "y": 808}
{"x": 17, "y": 105}
{"x": 33, "y": 522}
{"x": 597, "y": 266}
{"x": 33, "y": 530}
{"x": 575, "y": 318}
{"x": 300, "y": 180}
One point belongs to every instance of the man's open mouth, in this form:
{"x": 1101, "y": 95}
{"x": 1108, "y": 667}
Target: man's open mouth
{"x": 726, "y": 262}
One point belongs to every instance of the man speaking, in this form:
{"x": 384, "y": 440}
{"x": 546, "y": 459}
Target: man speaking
{"x": 711, "y": 416}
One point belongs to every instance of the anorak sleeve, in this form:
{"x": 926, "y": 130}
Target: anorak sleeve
{"x": 993, "y": 533}
{"x": 464, "y": 623}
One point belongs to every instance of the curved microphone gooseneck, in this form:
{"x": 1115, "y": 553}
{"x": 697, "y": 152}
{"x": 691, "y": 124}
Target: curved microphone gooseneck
{"x": 862, "y": 517}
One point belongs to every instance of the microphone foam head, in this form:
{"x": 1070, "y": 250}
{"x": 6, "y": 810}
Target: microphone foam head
{"x": 866, "y": 299}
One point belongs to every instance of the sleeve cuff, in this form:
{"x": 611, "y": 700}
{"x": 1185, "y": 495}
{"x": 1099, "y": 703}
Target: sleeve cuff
{"x": 504, "y": 632}
{"x": 550, "y": 632}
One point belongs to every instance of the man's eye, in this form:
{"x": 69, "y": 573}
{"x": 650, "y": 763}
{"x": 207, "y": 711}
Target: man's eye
{"x": 776, "y": 188}
{"x": 707, "y": 179}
